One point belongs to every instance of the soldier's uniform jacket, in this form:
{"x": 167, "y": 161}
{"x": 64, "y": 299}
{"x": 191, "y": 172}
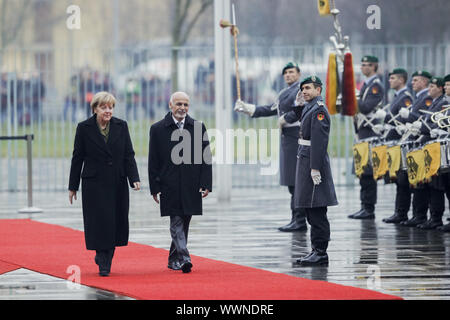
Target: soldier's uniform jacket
{"x": 402, "y": 99}
{"x": 371, "y": 96}
{"x": 423, "y": 102}
{"x": 315, "y": 127}
{"x": 289, "y": 134}
{"x": 437, "y": 105}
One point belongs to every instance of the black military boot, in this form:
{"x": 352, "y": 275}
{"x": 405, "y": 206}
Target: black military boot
{"x": 397, "y": 217}
{"x": 434, "y": 221}
{"x": 298, "y": 224}
{"x": 317, "y": 257}
{"x": 289, "y": 224}
{"x": 351, "y": 216}
{"x": 430, "y": 224}
{"x": 445, "y": 228}
{"x": 366, "y": 214}
{"x": 414, "y": 221}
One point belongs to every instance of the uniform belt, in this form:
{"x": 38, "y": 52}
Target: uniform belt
{"x": 303, "y": 142}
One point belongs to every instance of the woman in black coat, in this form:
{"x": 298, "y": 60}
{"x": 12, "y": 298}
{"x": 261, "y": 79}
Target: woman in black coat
{"x": 103, "y": 157}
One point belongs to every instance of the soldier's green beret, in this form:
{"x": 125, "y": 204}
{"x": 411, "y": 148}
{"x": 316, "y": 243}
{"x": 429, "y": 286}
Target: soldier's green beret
{"x": 447, "y": 78}
{"x": 398, "y": 71}
{"x": 369, "y": 59}
{"x": 312, "y": 79}
{"x": 290, "y": 65}
{"x": 438, "y": 81}
{"x": 422, "y": 73}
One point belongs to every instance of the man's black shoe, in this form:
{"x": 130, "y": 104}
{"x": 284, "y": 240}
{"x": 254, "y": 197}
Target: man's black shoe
{"x": 175, "y": 265}
{"x": 365, "y": 215}
{"x": 413, "y": 222}
{"x": 186, "y": 267}
{"x": 396, "y": 218}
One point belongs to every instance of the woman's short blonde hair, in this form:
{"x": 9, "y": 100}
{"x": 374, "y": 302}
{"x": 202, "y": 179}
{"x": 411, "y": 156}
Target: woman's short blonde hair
{"x": 102, "y": 98}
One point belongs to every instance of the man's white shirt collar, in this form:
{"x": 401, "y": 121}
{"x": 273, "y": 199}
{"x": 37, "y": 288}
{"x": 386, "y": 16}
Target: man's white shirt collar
{"x": 176, "y": 121}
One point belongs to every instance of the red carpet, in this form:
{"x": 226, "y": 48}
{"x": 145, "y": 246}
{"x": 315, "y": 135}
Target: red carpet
{"x": 7, "y": 267}
{"x": 141, "y": 272}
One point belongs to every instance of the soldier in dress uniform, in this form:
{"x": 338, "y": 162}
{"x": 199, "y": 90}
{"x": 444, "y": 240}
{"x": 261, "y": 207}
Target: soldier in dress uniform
{"x": 289, "y": 137}
{"x": 402, "y": 99}
{"x": 446, "y": 228}
{"x": 420, "y": 82}
{"x": 314, "y": 187}
{"x": 447, "y": 87}
{"x": 370, "y": 98}
{"x": 435, "y": 190}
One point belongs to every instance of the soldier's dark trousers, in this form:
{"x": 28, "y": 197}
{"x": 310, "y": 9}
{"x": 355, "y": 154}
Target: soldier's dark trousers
{"x": 403, "y": 195}
{"x": 293, "y": 209}
{"x": 436, "y": 198}
{"x": 320, "y": 227}
{"x": 179, "y": 228}
{"x": 420, "y": 202}
{"x": 368, "y": 193}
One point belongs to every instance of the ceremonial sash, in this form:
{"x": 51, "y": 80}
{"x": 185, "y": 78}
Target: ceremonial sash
{"x": 379, "y": 161}
{"x": 361, "y": 157}
{"x": 394, "y": 158}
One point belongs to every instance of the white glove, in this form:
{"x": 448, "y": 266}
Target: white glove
{"x": 378, "y": 128}
{"x": 281, "y": 122}
{"x": 417, "y": 124}
{"x": 316, "y": 178}
{"x": 380, "y": 115}
{"x": 408, "y": 126}
{"x": 434, "y": 133}
{"x": 299, "y": 100}
{"x": 439, "y": 116}
{"x": 404, "y": 113}
{"x": 401, "y": 129}
{"x": 388, "y": 127}
{"x": 247, "y": 108}
{"x": 414, "y": 131}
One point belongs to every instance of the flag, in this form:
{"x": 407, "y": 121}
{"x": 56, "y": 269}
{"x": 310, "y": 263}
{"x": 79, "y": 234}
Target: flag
{"x": 379, "y": 161}
{"x": 332, "y": 84}
{"x": 324, "y": 7}
{"x": 394, "y": 158}
{"x": 416, "y": 167}
{"x": 360, "y": 157}
{"x": 432, "y": 159}
{"x": 349, "y": 104}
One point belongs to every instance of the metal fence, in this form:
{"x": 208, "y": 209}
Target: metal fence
{"x": 46, "y": 92}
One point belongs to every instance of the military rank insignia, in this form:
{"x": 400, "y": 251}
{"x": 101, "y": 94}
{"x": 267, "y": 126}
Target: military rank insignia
{"x": 408, "y": 103}
{"x": 375, "y": 90}
{"x": 320, "y": 116}
{"x": 428, "y": 102}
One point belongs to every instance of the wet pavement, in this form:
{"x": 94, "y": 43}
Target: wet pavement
{"x": 406, "y": 262}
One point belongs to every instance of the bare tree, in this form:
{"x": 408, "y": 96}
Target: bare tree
{"x": 13, "y": 16}
{"x": 186, "y": 15}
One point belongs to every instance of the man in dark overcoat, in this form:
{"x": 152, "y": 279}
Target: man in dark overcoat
{"x": 180, "y": 173}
